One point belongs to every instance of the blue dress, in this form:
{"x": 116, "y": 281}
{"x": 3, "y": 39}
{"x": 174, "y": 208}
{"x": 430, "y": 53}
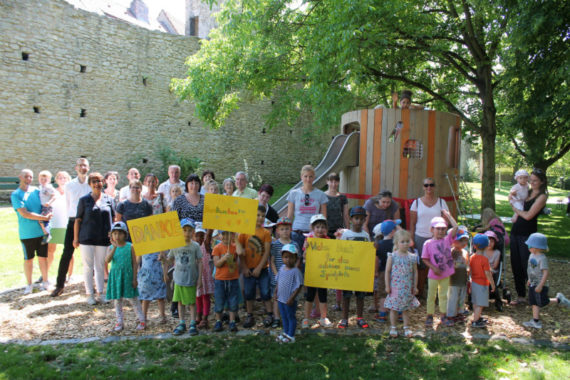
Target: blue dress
{"x": 151, "y": 279}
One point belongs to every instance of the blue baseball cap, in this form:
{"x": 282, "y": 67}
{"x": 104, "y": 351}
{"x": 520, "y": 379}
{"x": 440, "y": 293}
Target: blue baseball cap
{"x": 119, "y": 226}
{"x": 291, "y": 248}
{"x": 387, "y": 226}
{"x": 357, "y": 210}
{"x": 537, "y": 240}
{"x": 481, "y": 241}
{"x": 461, "y": 233}
{"x": 187, "y": 222}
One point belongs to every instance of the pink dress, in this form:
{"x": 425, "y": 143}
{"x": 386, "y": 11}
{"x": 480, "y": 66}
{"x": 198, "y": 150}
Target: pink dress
{"x": 207, "y": 280}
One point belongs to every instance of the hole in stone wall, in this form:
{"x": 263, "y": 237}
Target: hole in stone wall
{"x": 144, "y": 81}
{"x": 263, "y": 131}
{"x": 83, "y": 112}
{"x": 25, "y": 56}
{"x": 261, "y": 162}
{"x": 189, "y": 123}
{"x": 36, "y": 109}
{"x": 82, "y": 69}
{"x": 144, "y": 160}
{"x": 290, "y": 131}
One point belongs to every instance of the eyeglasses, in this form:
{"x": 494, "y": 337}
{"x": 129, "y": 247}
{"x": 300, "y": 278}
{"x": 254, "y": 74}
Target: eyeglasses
{"x": 429, "y": 184}
{"x": 307, "y": 200}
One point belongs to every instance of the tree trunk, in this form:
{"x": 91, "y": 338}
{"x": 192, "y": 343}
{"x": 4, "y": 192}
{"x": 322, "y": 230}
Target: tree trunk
{"x": 488, "y": 135}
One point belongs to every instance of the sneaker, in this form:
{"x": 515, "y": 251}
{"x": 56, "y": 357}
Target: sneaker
{"x": 141, "y": 326}
{"x": 381, "y": 317}
{"x": 91, "y": 300}
{"x": 39, "y": 280}
{"x": 118, "y": 327}
{"x": 193, "y": 330}
{"x": 288, "y": 339}
{"x": 56, "y": 292}
{"x": 429, "y": 321}
{"x": 249, "y": 322}
{"x": 44, "y": 286}
{"x": 218, "y": 326}
{"x": 362, "y": 323}
{"x": 393, "y": 332}
{"x": 532, "y": 323}
{"x": 102, "y": 299}
{"x": 180, "y": 329}
{"x": 562, "y": 300}
{"x": 268, "y": 320}
{"x": 343, "y": 324}
{"x": 479, "y": 324}
{"x": 233, "y": 326}
{"x": 449, "y": 322}
{"x": 325, "y": 322}
{"x": 279, "y": 338}
{"x": 305, "y": 324}
{"x": 29, "y": 289}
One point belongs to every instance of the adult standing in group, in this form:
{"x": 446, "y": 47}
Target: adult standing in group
{"x": 26, "y": 202}
{"x": 191, "y": 204}
{"x": 422, "y": 211}
{"x": 264, "y": 195}
{"x": 304, "y": 202}
{"x": 135, "y": 206}
{"x": 92, "y": 225}
{"x": 111, "y": 182}
{"x": 229, "y": 186}
{"x": 75, "y": 189}
{"x": 173, "y": 180}
{"x": 337, "y": 206}
{"x": 132, "y": 175}
{"x": 242, "y": 190}
{"x": 380, "y": 208}
{"x": 207, "y": 176}
{"x": 526, "y": 224}
{"x": 58, "y": 222}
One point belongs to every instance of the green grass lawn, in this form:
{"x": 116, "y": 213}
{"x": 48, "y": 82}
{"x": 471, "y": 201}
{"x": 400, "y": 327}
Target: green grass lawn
{"x": 311, "y": 357}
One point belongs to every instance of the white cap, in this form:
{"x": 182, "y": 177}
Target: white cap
{"x": 521, "y": 173}
{"x": 315, "y": 218}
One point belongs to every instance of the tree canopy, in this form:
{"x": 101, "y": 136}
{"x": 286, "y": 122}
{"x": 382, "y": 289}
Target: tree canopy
{"x": 331, "y": 56}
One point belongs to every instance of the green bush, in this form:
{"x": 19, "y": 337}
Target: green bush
{"x": 165, "y": 157}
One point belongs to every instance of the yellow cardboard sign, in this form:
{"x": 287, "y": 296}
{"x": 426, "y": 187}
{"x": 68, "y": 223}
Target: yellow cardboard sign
{"x": 156, "y": 233}
{"x": 340, "y": 264}
{"x": 226, "y": 213}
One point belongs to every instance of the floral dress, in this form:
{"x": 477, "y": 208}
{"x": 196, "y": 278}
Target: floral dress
{"x": 207, "y": 280}
{"x": 402, "y": 283}
{"x": 120, "y": 282}
{"x": 150, "y": 276}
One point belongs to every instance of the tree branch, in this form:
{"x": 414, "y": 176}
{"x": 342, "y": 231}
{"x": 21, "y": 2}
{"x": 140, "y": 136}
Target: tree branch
{"x": 518, "y": 148}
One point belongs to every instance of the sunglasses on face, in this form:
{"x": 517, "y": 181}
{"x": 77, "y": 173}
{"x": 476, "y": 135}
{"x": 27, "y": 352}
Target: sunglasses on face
{"x": 429, "y": 184}
{"x": 307, "y": 200}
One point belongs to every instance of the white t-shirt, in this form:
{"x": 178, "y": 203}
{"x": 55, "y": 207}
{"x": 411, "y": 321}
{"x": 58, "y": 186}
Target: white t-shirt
{"x": 305, "y": 207}
{"x": 521, "y": 193}
{"x": 73, "y": 191}
{"x": 426, "y": 214}
{"x": 355, "y": 236}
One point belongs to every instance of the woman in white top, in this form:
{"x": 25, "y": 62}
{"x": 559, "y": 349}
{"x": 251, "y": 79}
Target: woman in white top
{"x": 59, "y": 219}
{"x": 422, "y": 211}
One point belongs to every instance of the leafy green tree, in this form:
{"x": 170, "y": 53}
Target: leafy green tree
{"x": 326, "y": 57}
{"x": 534, "y": 94}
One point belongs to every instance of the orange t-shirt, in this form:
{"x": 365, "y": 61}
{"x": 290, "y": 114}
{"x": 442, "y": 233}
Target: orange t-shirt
{"x": 252, "y": 255}
{"x": 478, "y": 265}
{"x": 230, "y": 270}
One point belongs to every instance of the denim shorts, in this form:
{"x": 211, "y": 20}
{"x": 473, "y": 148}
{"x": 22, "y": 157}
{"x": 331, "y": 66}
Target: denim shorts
{"x": 250, "y": 283}
{"x": 226, "y": 291}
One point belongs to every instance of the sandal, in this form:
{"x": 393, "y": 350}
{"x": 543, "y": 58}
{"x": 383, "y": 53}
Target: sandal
{"x": 268, "y": 320}
{"x": 305, "y": 324}
{"x": 343, "y": 324}
{"x": 279, "y": 338}
{"x": 203, "y": 325}
{"x": 362, "y": 323}
{"x": 193, "y": 330}
{"x": 447, "y": 322}
{"x": 429, "y": 321}
{"x": 408, "y": 332}
{"x": 393, "y": 332}
{"x": 180, "y": 329}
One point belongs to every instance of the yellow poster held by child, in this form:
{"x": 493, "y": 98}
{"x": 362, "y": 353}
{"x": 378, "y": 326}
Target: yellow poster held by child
{"x": 340, "y": 264}
{"x": 156, "y": 233}
{"x": 226, "y": 213}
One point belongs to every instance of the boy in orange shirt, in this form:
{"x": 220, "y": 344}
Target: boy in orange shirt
{"x": 254, "y": 253}
{"x": 226, "y": 283}
{"x": 481, "y": 277}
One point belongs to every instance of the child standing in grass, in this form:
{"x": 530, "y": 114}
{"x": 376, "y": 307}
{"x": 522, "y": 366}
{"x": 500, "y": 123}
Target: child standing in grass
{"x": 458, "y": 280}
{"x": 226, "y": 280}
{"x": 383, "y": 234}
{"x": 401, "y": 282}
{"x": 289, "y": 284}
{"x": 187, "y": 277}
{"x": 357, "y": 218}
{"x": 436, "y": 254}
{"x": 481, "y": 277}
{"x": 122, "y": 282}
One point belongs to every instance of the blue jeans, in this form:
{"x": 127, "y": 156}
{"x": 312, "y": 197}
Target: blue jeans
{"x": 250, "y": 283}
{"x": 288, "y": 318}
{"x": 226, "y": 291}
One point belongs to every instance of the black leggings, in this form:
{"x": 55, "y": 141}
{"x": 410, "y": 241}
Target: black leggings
{"x": 519, "y": 262}
{"x": 310, "y": 294}
{"x": 67, "y": 254}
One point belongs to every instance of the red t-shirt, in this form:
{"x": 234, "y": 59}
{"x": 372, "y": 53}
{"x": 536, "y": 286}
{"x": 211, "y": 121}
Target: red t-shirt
{"x": 478, "y": 265}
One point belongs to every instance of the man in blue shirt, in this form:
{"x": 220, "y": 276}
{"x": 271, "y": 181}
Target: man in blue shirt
{"x": 26, "y": 201}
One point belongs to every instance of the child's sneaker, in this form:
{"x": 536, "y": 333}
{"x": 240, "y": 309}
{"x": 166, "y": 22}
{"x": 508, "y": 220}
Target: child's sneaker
{"x": 532, "y": 323}
{"x": 325, "y": 322}
{"x": 343, "y": 324}
{"x": 393, "y": 332}
{"x": 361, "y": 323}
{"x": 118, "y": 327}
{"x": 562, "y": 299}
{"x": 140, "y": 326}
{"x": 249, "y": 321}
{"x": 305, "y": 324}
{"x": 429, "y": 321}
{"x": 381, "y": 317}
{"x": 29, "y": 289}
{"x": 288, "y": 339}
{"x": 447, "y": 322}
{"x": 218, "y": 326}
{"x": 91, "y": 300}
{"x": 268, "y": 320}
{"x": 193, "y": 330}
{"x": 233, "y": 326}
{"x": 180, "y": 329}
{"x": 479, "y": 323}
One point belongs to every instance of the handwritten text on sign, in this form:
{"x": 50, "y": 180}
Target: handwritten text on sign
{"x": 227, "y": 213}
{"x": 156, "y": 233}
{"x": 340, "y": 264}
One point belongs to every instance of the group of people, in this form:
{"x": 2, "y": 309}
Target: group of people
{"x": 269, "y": 265}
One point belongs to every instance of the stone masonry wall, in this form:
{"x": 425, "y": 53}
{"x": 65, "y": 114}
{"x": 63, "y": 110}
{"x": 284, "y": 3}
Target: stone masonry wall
{"x": 78, "y": 84}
